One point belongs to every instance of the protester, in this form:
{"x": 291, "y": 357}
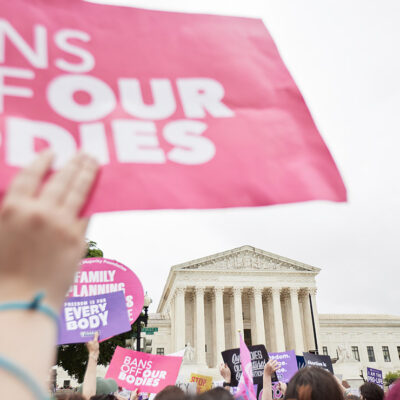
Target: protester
{"x": 218, "y": 393}
{"x": 42, "y": 239}
{"x": 394, "y": 392}
{"x": 270, "y": 367}
{"x": 69, "y": 396}
{"x": 225, "y": 372}
{"x": 89, "y": 386}
{"x": 171, "y": 393}
{"x": 371, "y": 391}
{"x": 313, "y": 383}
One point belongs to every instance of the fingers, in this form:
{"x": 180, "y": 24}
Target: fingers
{"x": 28, "y": 180}
{"x": 96, "y": 337}
{"x": 81, "y": 186}
{"x": 57, "y": 186}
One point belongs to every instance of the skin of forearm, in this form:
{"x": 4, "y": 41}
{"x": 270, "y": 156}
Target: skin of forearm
{"x": 28, "y": 339}
{"x": 89, "y": 381}
{"x": 267, "y": 388}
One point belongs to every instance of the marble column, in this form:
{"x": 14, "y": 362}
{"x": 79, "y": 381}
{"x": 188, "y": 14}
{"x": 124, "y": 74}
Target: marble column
{"x": 296, "y": 321}
{"x": 277, "y": 316}
{"x": 238, "y": 315}
{"x": 219, "y": 324}
{"x": 313, "y": 292}
{"x": 172, "y": 319}
{"x": 308, "y": 328}
{"x": 259, "y": 316}
{"x": 200, "y": 326}
{"x": 180, "y": 320}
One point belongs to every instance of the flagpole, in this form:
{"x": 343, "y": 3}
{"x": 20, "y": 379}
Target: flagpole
{"x": 313, "y": 324}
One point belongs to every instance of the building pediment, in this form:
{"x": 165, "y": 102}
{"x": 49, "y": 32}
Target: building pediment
{"x": 245, "y": 258}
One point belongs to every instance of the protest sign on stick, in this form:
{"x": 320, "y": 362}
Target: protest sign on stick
{"x": 259, "y": 357}
{"x": 375, "y": 376}
{"x": 316, "y": 360}
{"x": 101, "y": 275}
{"x": 81, "y": 317}
{"x": 148, "y": 373}
{"x": 197, "y": 112}
{"x": 204, "y": 382}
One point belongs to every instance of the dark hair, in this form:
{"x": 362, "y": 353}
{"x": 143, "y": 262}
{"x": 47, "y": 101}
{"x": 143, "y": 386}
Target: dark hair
{"x": 69, "y": 396}
{"x": 371, "y": 391}
{"x": 313, "y": 383}
{"x": 170, "y": 393}
{"x": 217, "y": 393}
{"x": 352, "y": 397}
{"x": 103, "y": 397}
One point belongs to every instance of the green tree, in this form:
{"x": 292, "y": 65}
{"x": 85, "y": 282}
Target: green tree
{"x": 73, "y": 357}
{"x": 390, "y": 377}
{"x": 93, "y": 250}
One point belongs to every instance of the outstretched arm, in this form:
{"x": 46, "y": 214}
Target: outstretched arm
{"x": 270, "y": 367}
{"x": 89, "y": 381}
{"x": 42, "y": 239}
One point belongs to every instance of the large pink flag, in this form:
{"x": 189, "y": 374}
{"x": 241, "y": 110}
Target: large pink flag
{"x": 246, "y": 385}
{"x": 181, "y": 110}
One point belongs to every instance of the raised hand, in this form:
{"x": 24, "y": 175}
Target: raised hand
{"x": 225, "y": 372}
{"x": 42, "y": 236}
{"x": 270, "y": 367}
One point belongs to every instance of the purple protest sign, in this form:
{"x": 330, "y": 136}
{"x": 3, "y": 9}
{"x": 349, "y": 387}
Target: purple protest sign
{"x": 288, "y": 362}
{"x": 375, "y": 376}
{"x": 81, "y": 317}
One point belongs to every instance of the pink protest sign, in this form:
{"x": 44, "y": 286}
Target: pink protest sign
{"x": 148, "y": 372}
{"x": 182, "y": 110}
{"x": 101, "y": 275}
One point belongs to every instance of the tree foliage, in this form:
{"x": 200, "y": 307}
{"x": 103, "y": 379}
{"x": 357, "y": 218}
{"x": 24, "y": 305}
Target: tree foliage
{"x": 93, "y": 250}
{"x": 73, "y": 357}
{"x": 390, "y": 377}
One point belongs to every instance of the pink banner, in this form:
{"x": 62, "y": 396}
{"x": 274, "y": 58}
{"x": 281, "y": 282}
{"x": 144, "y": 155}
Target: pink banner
{"x": 148, "y": 372}
{"x": 182, "y": 110}
{"x": 101, "y": 275}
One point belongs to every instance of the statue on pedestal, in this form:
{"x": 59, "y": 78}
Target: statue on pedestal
{"x": 188, "y": 357}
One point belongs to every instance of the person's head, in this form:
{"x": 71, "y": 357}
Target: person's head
{"x": 394, "y": 392}
{"x": 371, "y": 391}
{"x": 103, "y": 397}
{"x": 171, "y": 393}
{"x": 218, "y": 393}
{"x": 352, "y": 397}
{"x": 312, "y": 383}
{"x": 69, "y": 396}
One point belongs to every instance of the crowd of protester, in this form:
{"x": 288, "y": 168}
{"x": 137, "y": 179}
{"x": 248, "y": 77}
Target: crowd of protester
{"x": 42, "y": 239}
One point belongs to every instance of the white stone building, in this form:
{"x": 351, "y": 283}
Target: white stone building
{"x": 206, "y": 301}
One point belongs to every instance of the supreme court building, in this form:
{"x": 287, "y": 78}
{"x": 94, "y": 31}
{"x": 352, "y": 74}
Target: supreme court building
{"x": 206, "y": 302}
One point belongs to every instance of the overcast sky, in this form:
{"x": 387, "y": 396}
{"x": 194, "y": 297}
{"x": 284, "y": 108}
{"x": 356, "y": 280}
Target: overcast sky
{"x": 345, "y": 57}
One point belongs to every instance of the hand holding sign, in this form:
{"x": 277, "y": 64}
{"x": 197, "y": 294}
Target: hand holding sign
{"x": 93, "y": 346}
{"x": 270, "y": 367}
{"x": 225, "y": 372}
